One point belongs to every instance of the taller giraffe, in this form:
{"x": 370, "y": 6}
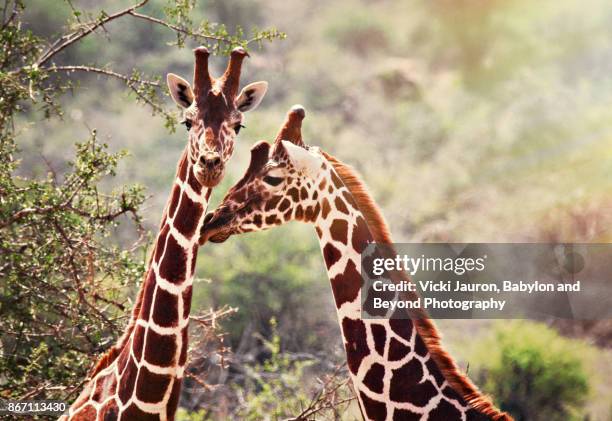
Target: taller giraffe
{"x": 398, "y": 367}
{"x": 140, "y": 377}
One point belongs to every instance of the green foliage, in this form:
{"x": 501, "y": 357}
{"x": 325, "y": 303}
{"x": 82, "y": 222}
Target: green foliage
{"x": 268, "y": 275}
{"x": 274, "y": 389}
{"x": 29, "y": 62}
{"x": 184, "y": 415}
{"x": 61, "y": 295}
{"x": 219, "y": 39}
{"x": 533, "y": 373}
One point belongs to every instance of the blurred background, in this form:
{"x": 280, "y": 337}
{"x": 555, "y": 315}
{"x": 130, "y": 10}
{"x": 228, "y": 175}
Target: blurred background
{"x": 469, "y": 120}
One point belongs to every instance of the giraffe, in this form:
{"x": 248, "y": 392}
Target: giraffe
{"x": 398, "y": 368}
{"x": 140, "y": 377}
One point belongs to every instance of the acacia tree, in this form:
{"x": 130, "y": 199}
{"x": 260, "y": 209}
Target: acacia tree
{"x": 62, "y": 274}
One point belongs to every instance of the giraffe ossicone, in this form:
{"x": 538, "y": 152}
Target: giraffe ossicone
{"x": 140, "y": 377}
{"x": 398, "y": 367}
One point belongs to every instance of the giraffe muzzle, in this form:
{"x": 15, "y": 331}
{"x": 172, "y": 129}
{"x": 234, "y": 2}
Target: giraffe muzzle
{"x": 217, "y": 226}
{"x": 210, "y": 169}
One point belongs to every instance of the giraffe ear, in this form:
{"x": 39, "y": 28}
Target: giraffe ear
{"x": 180, "y": 90}
{"x": 302, "y": 159}
{"x": 251, "y": 95}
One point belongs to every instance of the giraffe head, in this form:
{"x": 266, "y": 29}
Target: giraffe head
{"x": 281, "y": 184}
{"x": 213, "y": 112}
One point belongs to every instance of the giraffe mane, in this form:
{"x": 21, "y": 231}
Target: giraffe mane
{"x": 424, "y": 325}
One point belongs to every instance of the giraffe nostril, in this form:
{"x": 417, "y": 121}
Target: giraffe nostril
{"x": 210, "y": 161}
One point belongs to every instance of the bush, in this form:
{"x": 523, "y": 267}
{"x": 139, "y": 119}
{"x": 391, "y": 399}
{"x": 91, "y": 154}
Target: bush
{"x": 534, "y": 373}
{"x": 280, "y": 388}
{"x": 268, "y": 275}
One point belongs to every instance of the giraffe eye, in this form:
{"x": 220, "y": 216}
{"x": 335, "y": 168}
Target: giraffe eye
{"x": 273, "y": 181}
{"x": 237, "y": 128}
{"x": 187, "y": 123}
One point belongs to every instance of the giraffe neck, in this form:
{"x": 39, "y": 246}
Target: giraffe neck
{"x": 140, "y": 378}
{"x": 393, "y": 371}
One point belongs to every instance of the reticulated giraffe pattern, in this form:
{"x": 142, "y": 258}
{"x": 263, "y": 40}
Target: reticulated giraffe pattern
{"x": 140, "y": 377}
{"x": 398, "y": 369}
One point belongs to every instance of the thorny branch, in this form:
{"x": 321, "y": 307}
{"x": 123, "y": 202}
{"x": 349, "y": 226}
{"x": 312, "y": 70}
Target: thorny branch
{"x": 134, "y": 83}
{"x": 106, "y": 72}
{"x": 209, "y": 346}
{"x": 6, "y": 21}
{"x": 85, "y": 29}
{"x": 190, "y": 33}
{"x": 176, "y": 28}
{"x": 327, "y": 396}
{"x": 65, "y": 207}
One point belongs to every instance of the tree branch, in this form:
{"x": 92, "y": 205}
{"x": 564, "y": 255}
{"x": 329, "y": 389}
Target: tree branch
{"x": 178, "y": 28}
{"x": 131, "y": 82}
{"x": 85, "y": 29}
{"x": 106, "y": 72}
{"x": 7, "y": 21}
{"x": 64, "y": 206}
{"x": 327, "y": 396}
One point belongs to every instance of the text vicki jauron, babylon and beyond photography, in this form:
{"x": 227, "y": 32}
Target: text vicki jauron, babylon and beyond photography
{"x": 458, "y": 286}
